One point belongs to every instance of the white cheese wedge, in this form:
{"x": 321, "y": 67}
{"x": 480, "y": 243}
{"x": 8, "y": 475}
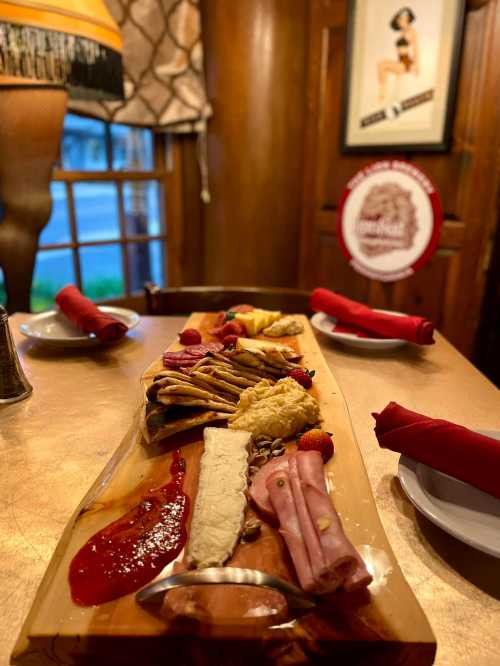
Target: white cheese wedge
{"x": 220, "y": 503}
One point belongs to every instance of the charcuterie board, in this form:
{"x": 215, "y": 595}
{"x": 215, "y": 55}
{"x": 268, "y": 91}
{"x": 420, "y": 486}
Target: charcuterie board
{"x": 381, "y": 625}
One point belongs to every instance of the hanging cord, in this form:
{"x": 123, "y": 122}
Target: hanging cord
{"x": 202, "y": 150}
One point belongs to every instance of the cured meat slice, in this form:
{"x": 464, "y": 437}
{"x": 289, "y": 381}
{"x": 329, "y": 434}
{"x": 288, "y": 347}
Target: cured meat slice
{"x": 341, "y": 557}
{"x": 281, "y": 494}
{"x": 207, "y": 348}
{"x": 333, "y": 560}
{"x": 258, "y": 490}
{"x": 360, "y": 578}
{"x": 319, "y": 566}
{"x": 190, "y": 355}
{"x": 178, "y": 364}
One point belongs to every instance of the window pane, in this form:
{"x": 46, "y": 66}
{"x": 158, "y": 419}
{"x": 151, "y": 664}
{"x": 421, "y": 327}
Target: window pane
{"x": 57, "y": 230}
{"x": 142, "y": 207}
{"x": 96, "y": 209}
{"x": 3, "y": 295}
{"x": 53, "y": 270}
{"x": 132, "y": 148}
{"x": 83, "y": 144}
{"x": 102, "y": 274}
{"x": 146, "y": 261}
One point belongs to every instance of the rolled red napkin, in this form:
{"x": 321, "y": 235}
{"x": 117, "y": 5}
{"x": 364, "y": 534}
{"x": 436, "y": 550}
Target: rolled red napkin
{"x": 446, "y": 446}
{"x": 356, "y": 317}
{"x": 87, "y": 317}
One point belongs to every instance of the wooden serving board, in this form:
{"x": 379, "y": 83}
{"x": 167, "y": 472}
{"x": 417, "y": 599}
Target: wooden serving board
{"x": 381, "y": 626}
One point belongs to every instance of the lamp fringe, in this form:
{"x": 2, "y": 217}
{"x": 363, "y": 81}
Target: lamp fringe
{"x": 88, "y": 69}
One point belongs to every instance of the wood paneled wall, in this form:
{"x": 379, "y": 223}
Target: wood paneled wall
{"x": 275, "y": 73}
{"x": 256, "y": 77}
{"x": 449, "y": 289}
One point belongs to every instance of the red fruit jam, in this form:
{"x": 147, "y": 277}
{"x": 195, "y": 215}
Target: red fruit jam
{"x": 133, "y": 550}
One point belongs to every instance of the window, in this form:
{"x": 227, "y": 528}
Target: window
{"x": 107, "y": 231}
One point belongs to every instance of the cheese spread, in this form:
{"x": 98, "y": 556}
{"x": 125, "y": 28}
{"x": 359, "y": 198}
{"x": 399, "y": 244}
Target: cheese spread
{"x": 279, "y": 410}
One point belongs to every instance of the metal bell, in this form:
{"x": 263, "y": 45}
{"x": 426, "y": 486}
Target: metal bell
{"x": 13, "y": 383}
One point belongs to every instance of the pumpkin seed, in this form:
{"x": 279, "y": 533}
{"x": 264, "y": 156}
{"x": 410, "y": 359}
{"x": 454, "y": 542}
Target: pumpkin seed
{"x": 251, "y": 530}
{"x": 258, "y": 459}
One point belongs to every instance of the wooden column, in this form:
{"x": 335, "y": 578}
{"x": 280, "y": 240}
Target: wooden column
{"x": 255, "y": 69}
{"x": 31, "y": 121}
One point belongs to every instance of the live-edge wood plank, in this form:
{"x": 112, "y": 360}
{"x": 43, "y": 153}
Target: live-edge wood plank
{"x": 385, "y": 626}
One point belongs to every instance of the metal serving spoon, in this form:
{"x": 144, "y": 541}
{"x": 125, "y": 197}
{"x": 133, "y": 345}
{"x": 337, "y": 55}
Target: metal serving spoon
{"x": 154, "y": 593}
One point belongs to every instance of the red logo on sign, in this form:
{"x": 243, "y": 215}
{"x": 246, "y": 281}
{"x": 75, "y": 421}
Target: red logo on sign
{"x": 389, "y": 220}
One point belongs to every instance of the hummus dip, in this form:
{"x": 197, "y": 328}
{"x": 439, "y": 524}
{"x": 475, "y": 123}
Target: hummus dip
{"x": 275, "y": 410}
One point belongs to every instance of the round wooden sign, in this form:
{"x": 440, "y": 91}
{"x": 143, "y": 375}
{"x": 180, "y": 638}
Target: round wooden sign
{"x": 389, "y": 220}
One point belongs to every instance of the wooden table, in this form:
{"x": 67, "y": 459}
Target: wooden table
{"x": 55, "y": 443}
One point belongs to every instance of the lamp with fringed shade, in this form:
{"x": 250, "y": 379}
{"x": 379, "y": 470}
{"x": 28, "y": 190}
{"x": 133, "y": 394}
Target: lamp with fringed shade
{"x": 48, "y": 49}
{"x": 74, "y": 43}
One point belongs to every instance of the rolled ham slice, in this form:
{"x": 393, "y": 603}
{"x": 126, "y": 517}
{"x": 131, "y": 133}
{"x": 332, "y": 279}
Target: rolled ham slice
{"x": 258, "y": 490}
{"x": 345, "y": 566}
{"x": 317, "y": 560}
{"x": 281, "y": 495}
{"x": 360, "y": 577}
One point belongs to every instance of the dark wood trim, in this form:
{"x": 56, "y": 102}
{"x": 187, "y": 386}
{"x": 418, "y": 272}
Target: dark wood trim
{"x": 451, "y": 237}
{"x": 184, "y": 300}
{"x": 193, "y": 247}
{"x": 123, "y": 237}
{"x": 162, "y": 148}
{"x": 107, "y": 241}
{"x": 487, "y": 350}
{"x": 107, "y": 176}
{"x": 74, "y": 235}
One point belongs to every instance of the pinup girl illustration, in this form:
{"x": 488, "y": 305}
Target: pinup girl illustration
{"x": 406, "y": 48}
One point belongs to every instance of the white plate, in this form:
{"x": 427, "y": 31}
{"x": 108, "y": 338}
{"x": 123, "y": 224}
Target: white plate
{"x": 324, "y": 323}
{"x": 456, "y": 507}
{"x": 53, "y": 328}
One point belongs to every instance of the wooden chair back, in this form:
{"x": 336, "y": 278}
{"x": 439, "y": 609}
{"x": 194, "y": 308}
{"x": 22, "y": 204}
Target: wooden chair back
{"x": 183, "y": 300}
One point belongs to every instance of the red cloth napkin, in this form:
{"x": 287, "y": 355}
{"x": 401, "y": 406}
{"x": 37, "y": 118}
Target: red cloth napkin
{"x": 359, "y": 318}
{"x": 448, "y": 447}
{"x": 87, "y": 317}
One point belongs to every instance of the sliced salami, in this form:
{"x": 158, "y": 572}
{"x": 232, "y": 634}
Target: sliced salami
{"x": 203, "y": 349}
{"x": 178, "y": 356}
{"x": 178, "y": 365}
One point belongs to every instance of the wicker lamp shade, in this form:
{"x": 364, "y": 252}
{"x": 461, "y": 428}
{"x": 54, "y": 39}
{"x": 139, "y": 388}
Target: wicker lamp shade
{"x": 74, "y": 44}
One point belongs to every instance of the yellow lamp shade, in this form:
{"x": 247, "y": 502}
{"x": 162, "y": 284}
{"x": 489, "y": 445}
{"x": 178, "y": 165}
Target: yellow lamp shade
{"x": 72, "y": 43}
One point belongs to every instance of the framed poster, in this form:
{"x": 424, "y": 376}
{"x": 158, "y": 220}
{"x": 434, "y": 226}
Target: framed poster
{"x": 401, "y": 74}
{"x": 389, "y": 220}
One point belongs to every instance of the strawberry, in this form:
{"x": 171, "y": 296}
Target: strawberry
{"x": 302, "y": 376}
{"x": 233, "y": 328}
{"x": 190, "y": 336}
{"x": 317, "y": 440}
{"x": 230, "y": 341}
{"x": 220, "y": 319}
{"x": 244, "y": 307}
